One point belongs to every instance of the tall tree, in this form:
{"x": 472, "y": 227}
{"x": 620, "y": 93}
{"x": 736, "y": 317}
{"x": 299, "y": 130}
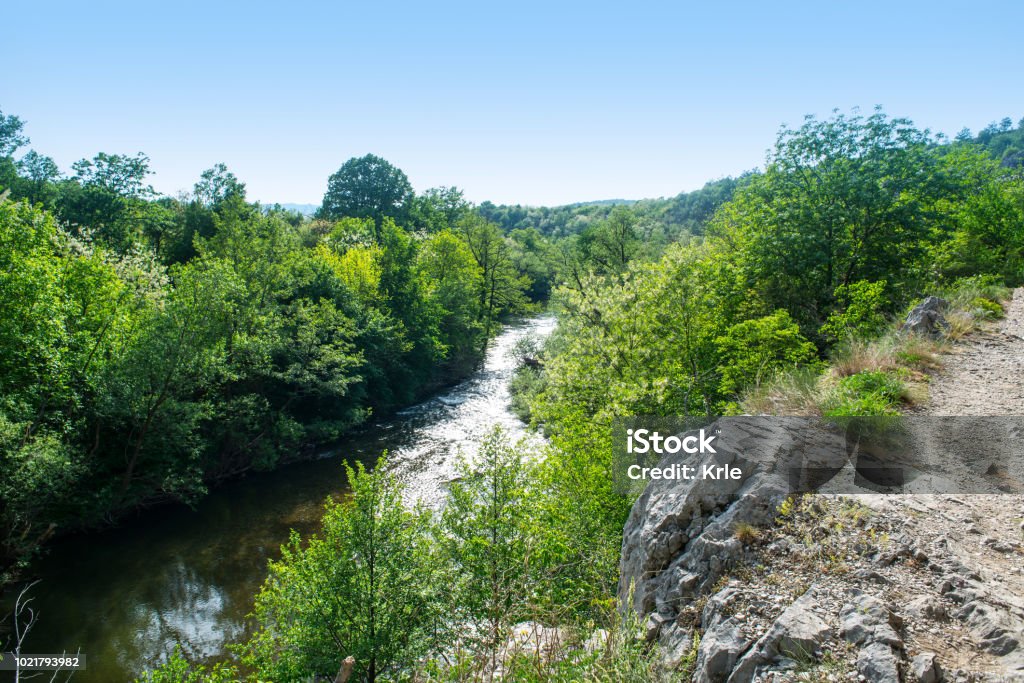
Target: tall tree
{"x": 487, "y": 537}
{"x": 367, "y": 187}
{"x": 844, "y": 199}
{"x": 368, "y": 587}
{"x": 39, "y": 172}
{"x": 501, "y": 287}
{"x": 11, "y": 137}
{"x": 217, "y": 185}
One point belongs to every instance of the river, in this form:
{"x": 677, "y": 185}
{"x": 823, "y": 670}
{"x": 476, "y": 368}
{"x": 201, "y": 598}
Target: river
{"x": 176, "y": 575}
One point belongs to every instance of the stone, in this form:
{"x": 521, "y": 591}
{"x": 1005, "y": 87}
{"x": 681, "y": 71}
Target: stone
{"x": 926, "y": 607}
{"x": 796, "y": 635}
{"x": 924, "y": 668}
{"x": 997, "y": 630}
{"x": 653, "y": 626}
{"x": 926, "y": 318}
{"x": 878, "y": 663}
{"x": 867, "y": 620}
{"x": 719, "y": 650}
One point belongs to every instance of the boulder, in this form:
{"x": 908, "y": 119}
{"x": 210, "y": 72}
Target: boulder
{"x": 926, "y": 607}
{"x": 719, "y": 650}
{"x": 659, "y": 572}
{"x": 797, "y": 635}
{"x": 924, "y": 668}
{"x": 878, "y": 663}
{"x": 926, "y": 318}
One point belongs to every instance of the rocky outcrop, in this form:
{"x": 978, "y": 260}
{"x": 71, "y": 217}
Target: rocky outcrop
{"x": 927, "y": 318}
{"x": 827, "y": 584}
{"x": 681, "y": 534}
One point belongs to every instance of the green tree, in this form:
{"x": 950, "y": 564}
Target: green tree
{"x": 217, "y": 185}
{"x": 451, "y": 280}
{"x": 752, "y": 351}
{"x": 121, "y": 175}
{"x": 368, "y": 586}
{"x": 367, "y": 187}
{"x": 11, "y": 137}
{"x": 845, "y": 199}
{"x": 439, "y": 208}
{"x": 487, "y": 535}
{"x": 39, "y": 172}
{"x": 501, "y": 286}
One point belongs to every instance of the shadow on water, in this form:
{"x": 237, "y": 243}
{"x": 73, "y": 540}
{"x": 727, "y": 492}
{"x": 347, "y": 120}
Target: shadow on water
{"x": 174, "y": 575}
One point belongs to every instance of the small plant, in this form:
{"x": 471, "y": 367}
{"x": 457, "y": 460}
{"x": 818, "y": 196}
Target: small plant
{"x": 865, "y": 394}
{"x": 745, "y": 533}
{"x": 986, "y": 308}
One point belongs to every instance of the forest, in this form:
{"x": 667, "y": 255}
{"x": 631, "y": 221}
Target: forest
{"x": 153, "y": 346}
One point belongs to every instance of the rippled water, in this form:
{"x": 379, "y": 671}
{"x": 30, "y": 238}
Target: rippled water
{"x": 174, "y": 575}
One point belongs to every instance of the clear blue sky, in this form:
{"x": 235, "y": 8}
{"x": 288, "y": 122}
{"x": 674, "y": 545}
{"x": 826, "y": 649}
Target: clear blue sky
{"x": 527, "y": 102}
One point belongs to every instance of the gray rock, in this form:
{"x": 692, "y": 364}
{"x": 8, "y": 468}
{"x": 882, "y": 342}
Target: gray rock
{"x": 996, "y": 629}
{"x": 716, "y": 607}
{"x": 924, "y": 668}
{"x": 768, "y": 452}
{"x": 870, "y": 575}
{"x": 719, "y": 650}
{"x": 878, "y": 663}
{"x": 926, "y": 607}
{"x": 867, "y": 620}
{"x": 797, "y": 635}
{"x": 926, "y": 318}
{"x": 653, "y": 626}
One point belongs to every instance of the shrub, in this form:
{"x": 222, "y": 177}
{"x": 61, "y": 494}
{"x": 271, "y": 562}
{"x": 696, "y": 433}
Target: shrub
{"x": 861, "y": 314}
{"x": 754, "y": 350}
{"x": 865, "y": 394}
{"x": 986, "y": 308}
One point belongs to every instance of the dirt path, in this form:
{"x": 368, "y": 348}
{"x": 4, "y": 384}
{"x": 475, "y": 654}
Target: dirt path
{"x": 985, "y": 373}
{"x": 977, "y": 540}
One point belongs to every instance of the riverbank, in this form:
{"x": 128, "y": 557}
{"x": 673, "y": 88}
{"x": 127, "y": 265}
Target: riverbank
{"x": 180, "y": 576}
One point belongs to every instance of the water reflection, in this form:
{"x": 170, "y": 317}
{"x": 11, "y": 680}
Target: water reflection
{"x": 179, "y": 576}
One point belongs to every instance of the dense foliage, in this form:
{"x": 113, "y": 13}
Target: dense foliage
{"x": 150, "y": 346}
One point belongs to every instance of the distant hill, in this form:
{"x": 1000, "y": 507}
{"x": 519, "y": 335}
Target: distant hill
{"x": 304, "y": 209}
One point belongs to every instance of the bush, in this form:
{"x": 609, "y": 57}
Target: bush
{"x": 177, "y": 669}
{"x": 963, "y": 292}
{"x": 526, "y": 383}
{"x": 752, "y": 351}
{"x": 861, "y": 315}
{"x": 986, "y": 308}
{"x": 865, "y": 394}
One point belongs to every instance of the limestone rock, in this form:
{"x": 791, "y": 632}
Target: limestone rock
{"x": 926, "y": 318}
{"x": 924, "y": 668}
{"x": 719, "y": 650}
{"x": 878, "y": 663}
{"x": 867, "y": 620}
{"x": 797, "y": 635}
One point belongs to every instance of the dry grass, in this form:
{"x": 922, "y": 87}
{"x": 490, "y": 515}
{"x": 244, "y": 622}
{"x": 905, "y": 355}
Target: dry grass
{"x": 920, "y": 353}
{"x": 859, "y": 355}
{"x": 745, "y": 533}
{"x": 796, "y": 392}
{"x": 961, "y": 324}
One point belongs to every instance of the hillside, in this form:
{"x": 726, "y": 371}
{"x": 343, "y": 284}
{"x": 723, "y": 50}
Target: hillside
{"x": 836, "y": 587}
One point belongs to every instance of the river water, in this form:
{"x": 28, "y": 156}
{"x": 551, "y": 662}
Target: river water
{"x": 175, "y": 575}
